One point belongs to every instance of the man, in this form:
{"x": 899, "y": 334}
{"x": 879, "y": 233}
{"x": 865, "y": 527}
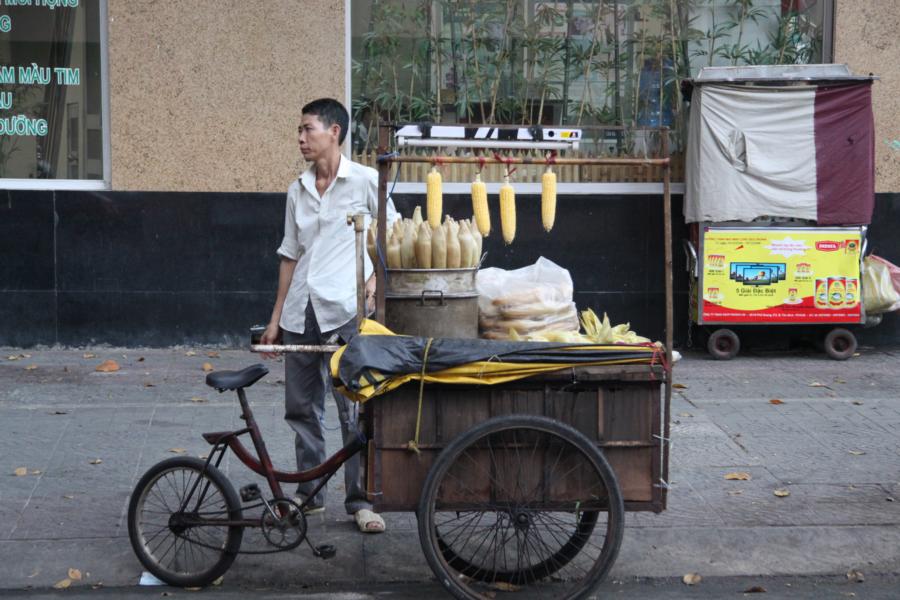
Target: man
{"x": 316, "y": 300}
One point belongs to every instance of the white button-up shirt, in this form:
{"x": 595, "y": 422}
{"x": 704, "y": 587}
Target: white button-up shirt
{"x": 317, "y": 236}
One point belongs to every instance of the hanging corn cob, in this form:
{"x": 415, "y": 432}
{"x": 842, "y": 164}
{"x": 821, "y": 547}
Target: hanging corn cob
{"x": 507, "y": 211}
{"x": 480, "y": 206}
{"x": 548, "y": 198}
{"x": 434, "y": 197}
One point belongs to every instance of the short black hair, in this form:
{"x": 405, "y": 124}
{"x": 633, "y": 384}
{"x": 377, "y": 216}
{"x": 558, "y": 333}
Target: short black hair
{"x": 329, "y": 111}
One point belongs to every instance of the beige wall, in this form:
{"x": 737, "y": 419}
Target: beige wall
{"x": 206, "y": 95}
{"x": 866, "y": 38}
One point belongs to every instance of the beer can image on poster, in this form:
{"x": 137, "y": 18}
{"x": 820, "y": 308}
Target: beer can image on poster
{"x": 837, "y": 288}
{"x": 851, "y": 292}
{"x": 821, "y": 297}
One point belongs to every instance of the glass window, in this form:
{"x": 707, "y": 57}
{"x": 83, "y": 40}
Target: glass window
{"x": 51, "y": 90}
{"x": 595, "y": 63}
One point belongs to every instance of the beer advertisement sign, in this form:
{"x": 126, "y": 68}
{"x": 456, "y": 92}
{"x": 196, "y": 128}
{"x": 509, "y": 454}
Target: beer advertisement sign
{"x": 781, "y": 275}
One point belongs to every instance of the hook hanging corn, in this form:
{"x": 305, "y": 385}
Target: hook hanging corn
{"x": 434, "y": 205}
{"x": 480, "y": 206}
{"x": 507, "y": 211}
{"x": 548, "y": 198}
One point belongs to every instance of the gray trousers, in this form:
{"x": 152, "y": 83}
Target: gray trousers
{"x": 307, "y": 383}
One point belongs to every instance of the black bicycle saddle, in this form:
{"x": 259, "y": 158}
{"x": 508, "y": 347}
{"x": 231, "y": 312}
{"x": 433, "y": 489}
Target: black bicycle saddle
{"x": 232, "y": 380}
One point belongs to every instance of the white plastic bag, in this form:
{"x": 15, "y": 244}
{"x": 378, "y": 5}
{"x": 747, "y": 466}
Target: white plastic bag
{"x": 531, "y": 299}
{"x": 879, "y": 295}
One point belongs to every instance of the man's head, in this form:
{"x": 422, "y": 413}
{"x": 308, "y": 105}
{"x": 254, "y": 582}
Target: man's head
{"x": 323, "y": 126}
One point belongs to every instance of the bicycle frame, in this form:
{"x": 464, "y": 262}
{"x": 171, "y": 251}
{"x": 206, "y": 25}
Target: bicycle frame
{"x": 262, "y": 463}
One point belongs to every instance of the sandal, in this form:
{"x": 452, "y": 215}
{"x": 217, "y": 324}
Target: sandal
{"x": 368, "y": 521}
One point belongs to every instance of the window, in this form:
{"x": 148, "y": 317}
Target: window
{"x": 579, "y": 63}
{"x": 52, "y": 93}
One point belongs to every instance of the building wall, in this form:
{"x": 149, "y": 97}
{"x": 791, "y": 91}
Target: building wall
{"x": 866, "y": 39}
{"x": 206, "y": 96}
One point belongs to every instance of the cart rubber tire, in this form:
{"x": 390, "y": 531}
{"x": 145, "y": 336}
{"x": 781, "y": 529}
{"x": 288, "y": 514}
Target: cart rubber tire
{"x": 840, "y": 343}
{"x": 499, "y": 540}
{"x": 723, "y": 344}
{"x": 159, "y": 493}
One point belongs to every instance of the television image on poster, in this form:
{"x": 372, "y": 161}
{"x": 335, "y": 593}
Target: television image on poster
{"x": 756, "y": 273}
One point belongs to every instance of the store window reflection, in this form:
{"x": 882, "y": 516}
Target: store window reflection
{"x": 51, "y": 92}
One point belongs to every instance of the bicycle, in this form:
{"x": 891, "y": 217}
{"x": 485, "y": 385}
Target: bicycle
{"x": 500, "y": 525}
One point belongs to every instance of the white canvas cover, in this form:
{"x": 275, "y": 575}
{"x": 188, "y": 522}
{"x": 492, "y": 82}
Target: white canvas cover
{"x": 751, "y": 152}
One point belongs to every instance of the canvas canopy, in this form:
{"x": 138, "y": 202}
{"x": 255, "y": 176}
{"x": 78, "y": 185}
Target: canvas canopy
{"x": 377, "y": 360}
{"x": 802, "y": 151}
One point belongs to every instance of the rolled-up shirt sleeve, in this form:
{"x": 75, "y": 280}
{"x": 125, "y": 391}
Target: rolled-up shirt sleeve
{"x": 290, "y": 247}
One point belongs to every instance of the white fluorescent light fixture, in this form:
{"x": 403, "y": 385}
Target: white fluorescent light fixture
{"x": 460, "y": 136}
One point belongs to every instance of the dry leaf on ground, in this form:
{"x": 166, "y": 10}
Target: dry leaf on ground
{"x": 96, "y": 461}
{"x": 679, "y": 386}
{"x": 88, "y": 355}
{"x": 836, "y": 380}
{"x": 212, "y": 354}
{"x": 190, "y": 353}
{"x": 685, "y": 414}
{"x": 208, "y": 367}
{"x": 219, "y": 580}
{"x": 107, "y": 366}
{"x": 31, "y": 367}
{"x": 141, "y": 359}
{"x": 12, "y": 357}
{"x": 21, "y": 472}
{"x": 857, "y": 402}
{"x": 735, "y": 492}
{"x": 856, "y": 575}
{"x": 505, "y": 587}
{"x": 148, "y": 384}
{"x": 177, "y": 450}
{"x": 197, "y": 399}
{"x": 781, "y": 493}
{"x": 857, "y": 452}
{"x": 74, "y": 574}
{"x": 756, "y": 589}
{"x": 817, "y": 384}
{"x": 62, "y": 584}
{"x": 738, "y": 476}
{"x": 36, "y": 472}
{"x": 691, "y": 579}
{"x": 776, "y": 401}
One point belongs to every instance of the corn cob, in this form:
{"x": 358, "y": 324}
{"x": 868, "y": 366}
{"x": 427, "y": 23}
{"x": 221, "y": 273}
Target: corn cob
{"x": 548, "y": 199}
{"x": 480, "y": 206}
{"x": 435, "y": 201}
{"x": 507, "y": 211}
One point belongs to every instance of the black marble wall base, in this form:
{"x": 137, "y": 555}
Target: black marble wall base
{"x": 159, "y": 269}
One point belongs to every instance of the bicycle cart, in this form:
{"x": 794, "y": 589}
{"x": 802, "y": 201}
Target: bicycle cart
{"x": 520, "y": 488}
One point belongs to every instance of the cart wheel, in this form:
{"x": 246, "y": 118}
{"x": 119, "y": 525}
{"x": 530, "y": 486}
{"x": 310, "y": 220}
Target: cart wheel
{"x": 521, "y": 502}
{"x": 723, "y": 344}
{"x": 173, "y": 542}
{"x": 840, "y": 343}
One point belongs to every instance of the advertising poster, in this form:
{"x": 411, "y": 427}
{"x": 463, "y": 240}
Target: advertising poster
{"x": 781, "y": 275}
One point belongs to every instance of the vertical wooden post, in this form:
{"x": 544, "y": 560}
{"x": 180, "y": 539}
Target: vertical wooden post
{"x": 384, "y": 172}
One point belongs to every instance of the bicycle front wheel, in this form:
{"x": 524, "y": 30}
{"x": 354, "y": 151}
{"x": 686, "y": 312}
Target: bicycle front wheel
{"x": 522, "y": 505}
{"x": 172, "y": 522}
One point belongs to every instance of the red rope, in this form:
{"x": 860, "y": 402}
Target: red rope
{"x": 507, "y": 162}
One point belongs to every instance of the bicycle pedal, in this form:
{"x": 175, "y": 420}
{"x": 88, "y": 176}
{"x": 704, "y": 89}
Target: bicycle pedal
{"x": 250, "y": 492}
{"x": 325, "y": 551}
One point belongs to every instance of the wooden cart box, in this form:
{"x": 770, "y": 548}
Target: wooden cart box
{"x": 618, "y": 406}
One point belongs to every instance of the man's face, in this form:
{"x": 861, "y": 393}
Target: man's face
{"x": 315, "y": 138}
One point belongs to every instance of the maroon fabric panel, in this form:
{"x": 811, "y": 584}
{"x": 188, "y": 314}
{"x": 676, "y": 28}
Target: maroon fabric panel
{"x": 845, "y": 154}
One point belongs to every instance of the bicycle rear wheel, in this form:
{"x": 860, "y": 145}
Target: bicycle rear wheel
{"x": 175, "y": 544}
{"x": 522, "y": 505}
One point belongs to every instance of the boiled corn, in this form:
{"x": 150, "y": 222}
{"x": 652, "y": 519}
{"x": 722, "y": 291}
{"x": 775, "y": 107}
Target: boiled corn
{"x": 434, "y": 206}
{"x": 548, "y": 199}
{"x": 507, "y": 211}
{"x": 480, "y": 206}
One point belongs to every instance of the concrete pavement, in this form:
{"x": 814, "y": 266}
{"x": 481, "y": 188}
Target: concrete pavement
{"x": 833, "y": 442}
